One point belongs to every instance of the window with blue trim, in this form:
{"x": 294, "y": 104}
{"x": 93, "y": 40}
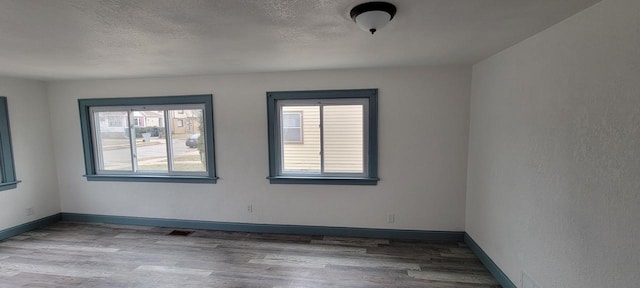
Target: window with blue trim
{"x": 340, "y": 137}
{"x": 159, "y": 139}
{"x": 7, "y": 166}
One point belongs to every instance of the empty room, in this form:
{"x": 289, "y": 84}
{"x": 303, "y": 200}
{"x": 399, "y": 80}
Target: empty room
{"x": 317, "y": 143}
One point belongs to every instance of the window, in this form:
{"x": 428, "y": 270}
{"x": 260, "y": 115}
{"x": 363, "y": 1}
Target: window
{"x": 152, "y": 149}
{"x": 7, "y": 167}
{"x": 340, "y": 137}
{"x": 180, "y": 124}
{"x": 292, "y": 127}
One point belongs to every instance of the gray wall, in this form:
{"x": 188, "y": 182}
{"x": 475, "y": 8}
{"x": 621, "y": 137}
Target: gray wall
{"x": 33, "y": 154}
{"x": 423, "y": 131}
{"x": 554, "y": 153}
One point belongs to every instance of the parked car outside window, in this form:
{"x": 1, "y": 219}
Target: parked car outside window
{"x": 192, "y": 141}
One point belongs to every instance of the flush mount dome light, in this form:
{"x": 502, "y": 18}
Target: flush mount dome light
{"x": 372, "y": 16}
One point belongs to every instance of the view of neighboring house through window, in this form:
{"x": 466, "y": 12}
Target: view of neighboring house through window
{"x": 114, "y": 120}
{"x": 7, "y": 168}
{"x": 157, "y": 144}
{"x": 292, "y": 126}
{"x": 338, "y": 135}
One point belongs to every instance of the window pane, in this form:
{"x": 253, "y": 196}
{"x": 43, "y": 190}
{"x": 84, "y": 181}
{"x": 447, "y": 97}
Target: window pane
{"x": 343, "y": 139}
{"x": 113, "y": 144}
{"x": 300, "y": 156}
{"x": 151, "y": 149}
{"x": 188, "y": 141}
{"x": 291, "y": 126}
{"x": 291, "y": 119}
{"x": 292, "y": 135}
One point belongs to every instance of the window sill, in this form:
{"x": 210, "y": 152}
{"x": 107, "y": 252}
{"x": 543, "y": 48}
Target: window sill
{"x": 153, "y": 178}
{"x": 9, "y": 185}
{"x": 323, "y": 180}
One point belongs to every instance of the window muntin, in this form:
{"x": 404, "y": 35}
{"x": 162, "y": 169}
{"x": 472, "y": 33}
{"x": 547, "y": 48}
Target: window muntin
{"x": 339, "y": 128}
{"x": 156, "y": 149}
{"x": 7, "y": 167}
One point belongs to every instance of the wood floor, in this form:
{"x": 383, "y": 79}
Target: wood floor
{"x": 100, "y": 255}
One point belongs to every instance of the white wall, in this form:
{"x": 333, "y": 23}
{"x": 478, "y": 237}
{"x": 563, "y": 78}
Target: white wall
{"x": 33, "y": 154}
{"x": 423, "y": 131}
{"x": 554, "y": 157}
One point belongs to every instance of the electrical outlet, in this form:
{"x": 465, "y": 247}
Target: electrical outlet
{"x": 250, "y": 208}
{"x": 30, "y": 211}
{"x": 391, "y": 218}
{"x": 527, "y": 282}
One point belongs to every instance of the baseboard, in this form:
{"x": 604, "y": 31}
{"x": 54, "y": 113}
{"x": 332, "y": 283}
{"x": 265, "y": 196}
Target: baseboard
{"x": 26, "y": 227}
{"x": 486, "y": 260}
{"x": 441, "y": 236}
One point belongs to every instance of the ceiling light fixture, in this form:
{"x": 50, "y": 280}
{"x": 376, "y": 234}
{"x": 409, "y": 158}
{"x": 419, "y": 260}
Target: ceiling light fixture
{"x": 372, "y": 16}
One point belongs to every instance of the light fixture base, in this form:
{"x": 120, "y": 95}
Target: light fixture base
{"x": 372, "y": 16}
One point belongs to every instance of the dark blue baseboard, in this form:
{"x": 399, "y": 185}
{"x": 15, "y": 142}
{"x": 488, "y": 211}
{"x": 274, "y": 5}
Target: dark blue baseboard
{"x": 443, "y": 236}
{"x": 484, "y": 258}
{"x": 26, "y": 227}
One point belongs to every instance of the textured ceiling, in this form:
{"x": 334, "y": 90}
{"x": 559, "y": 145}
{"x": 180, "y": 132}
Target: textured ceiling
{"x": 79, "y": 39}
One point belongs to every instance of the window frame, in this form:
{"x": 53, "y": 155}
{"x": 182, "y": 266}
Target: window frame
{"x": 86, "y": 107}
{"x": 370, "y": 160}
{"x": 7, "y": 164}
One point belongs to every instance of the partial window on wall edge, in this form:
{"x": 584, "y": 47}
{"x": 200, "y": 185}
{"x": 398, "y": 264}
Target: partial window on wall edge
{"x": 7, "y": 166}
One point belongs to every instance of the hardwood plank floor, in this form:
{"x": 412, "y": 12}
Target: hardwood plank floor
{"x": 70, "y": 254}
